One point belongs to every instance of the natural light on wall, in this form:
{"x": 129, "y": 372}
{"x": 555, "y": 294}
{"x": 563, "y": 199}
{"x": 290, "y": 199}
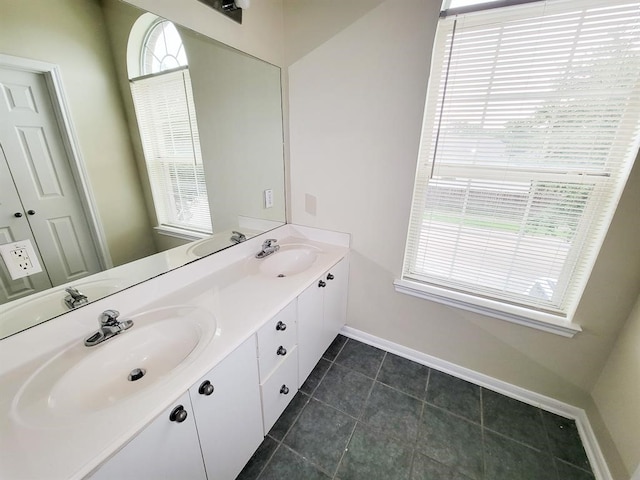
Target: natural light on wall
{"x": 531, "y": 128}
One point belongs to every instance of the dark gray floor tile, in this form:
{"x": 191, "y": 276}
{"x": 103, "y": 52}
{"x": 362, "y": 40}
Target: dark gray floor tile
{"x": 334, "y": 349}
{"x": 454, "y": 394}
{"x": 425, "y": 468}
{"x": 259, "y": 459}
{"x": 372, "y": 455}
{"x": 393, "y": 412}
{"x": 284, "y": 422}
{"x": 320, "y": 435}
{"x": 286, "y": 464}
{"x": 514, "y": 419}
{"x": 564, "y": 440}
{"x": 344, "y": 389}
{"x": 361, "y": 357}
{"x": 314, "y": 378}
{"x": 506, "y": 459}
{"x": 569, "y": 472}
{"x": 451, "y": 440}
{"x": 405, "y": 375}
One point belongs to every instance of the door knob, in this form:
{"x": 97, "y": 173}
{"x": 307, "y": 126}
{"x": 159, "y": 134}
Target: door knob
{"x": 322, "y": 283}
{"x": 31, "y": 212}
{"x": 281, "y": 326}
{"x": 17, "y": 214}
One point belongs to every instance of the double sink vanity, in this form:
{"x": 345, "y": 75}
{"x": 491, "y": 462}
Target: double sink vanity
{"x": 216, "y": 351}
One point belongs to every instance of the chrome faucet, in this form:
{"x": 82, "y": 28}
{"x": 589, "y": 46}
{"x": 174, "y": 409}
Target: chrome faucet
{"x": 109, "y": 327}
{"x": 75, "y": 298}
{"x": 237, "y": 237}
{"x": 268, "y": 247}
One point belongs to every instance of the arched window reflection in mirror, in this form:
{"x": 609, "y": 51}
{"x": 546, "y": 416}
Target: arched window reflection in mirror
{"x": 166, "y": 116}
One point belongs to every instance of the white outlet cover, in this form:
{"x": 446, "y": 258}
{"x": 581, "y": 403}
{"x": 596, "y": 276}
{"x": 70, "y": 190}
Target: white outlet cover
{"x": 27, "y": 256}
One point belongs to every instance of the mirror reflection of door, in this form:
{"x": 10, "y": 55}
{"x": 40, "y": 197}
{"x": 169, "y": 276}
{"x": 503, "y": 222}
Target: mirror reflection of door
{"x": 39, "y": 200}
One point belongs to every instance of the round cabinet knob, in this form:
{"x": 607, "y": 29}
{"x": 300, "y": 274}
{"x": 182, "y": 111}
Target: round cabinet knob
{"x": 178, "y": 414}
{"x": 281, "y": 326}
{"x": 330, "y": 276}
{"x": 284, "y": 390}
{"x": 281, "y": 351}
{"x": 322, "y": 283}
{"x": 206, "y": 388}
{"x": 17, "y": 214}
{"x": 31, "y": 212}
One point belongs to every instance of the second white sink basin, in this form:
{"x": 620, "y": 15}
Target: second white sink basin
{"x": 84, "y": 380}
{"x": 289, "y": 260}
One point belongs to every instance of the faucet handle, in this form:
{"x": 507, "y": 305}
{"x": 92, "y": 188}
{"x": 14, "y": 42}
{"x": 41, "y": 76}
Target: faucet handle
{"x": 269, "y": 242}
{"x": 109, "y": 317}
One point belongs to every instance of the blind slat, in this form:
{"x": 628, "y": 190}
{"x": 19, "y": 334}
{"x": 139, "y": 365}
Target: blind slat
{"x": 166, "y": 118}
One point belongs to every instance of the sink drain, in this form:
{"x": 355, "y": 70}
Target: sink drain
{"x": 136, "y": 374}
{"x": 281, "y": 275}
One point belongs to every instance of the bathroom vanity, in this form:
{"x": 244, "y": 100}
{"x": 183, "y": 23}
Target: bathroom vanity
{"x": 217, "y": 350}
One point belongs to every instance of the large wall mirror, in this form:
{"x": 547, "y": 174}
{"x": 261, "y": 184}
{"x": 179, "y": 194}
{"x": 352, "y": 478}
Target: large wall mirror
{"x": 85, "y": 146}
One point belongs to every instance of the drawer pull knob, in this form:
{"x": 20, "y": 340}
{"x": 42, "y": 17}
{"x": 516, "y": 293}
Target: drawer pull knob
{"x": 206, "y": 388}
{"x": 330, "y": 276}
{"x": 284, "y": 390}
{"x": 322, "y": 283}
{"x": 281, "y": 351}
{"x": 178, "y": 414}
{"x": 281, "y": 326}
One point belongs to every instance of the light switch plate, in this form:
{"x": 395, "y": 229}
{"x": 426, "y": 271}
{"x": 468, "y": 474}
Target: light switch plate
{"x": 20, "y": 258}
{"x": 268, "y": 198}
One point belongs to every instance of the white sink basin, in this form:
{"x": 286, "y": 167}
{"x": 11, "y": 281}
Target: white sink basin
{"x": 289, "y": 260}
{"x": 37, "y": 308}
{"x": 80, "y": 381}
{"x": 209, "y": 245}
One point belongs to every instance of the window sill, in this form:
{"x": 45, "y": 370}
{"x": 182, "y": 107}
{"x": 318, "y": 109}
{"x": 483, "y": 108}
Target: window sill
{"x": 180, "y": 233}
{"x": 530, "y": 318}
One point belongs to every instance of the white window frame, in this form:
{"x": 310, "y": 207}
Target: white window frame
{"x": 555, "y": 320}
{"x": 166, "y": 115}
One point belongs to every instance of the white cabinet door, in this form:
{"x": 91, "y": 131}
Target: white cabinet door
{"x": 311, "y": 333}
{"x": 335, "y": 299}
{"x": 226, "y": 404}
{"x": 166, "y": 449}
{"x": 322, "y": 312}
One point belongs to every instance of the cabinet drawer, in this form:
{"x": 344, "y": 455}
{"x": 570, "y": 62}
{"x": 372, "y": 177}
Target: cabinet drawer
{"x": 279, "y": 389}
{"x": 276, "y": 340}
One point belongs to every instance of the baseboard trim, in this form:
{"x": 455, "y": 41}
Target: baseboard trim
{"x": 591, "y": 446}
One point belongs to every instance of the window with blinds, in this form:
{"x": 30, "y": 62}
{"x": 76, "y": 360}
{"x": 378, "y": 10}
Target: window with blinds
{"x": 531, "y": 127}
{"x": 167, "y": 122}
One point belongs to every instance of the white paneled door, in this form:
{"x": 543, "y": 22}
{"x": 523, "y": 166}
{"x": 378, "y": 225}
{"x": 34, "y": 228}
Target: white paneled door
{"x": 39, "y": 199}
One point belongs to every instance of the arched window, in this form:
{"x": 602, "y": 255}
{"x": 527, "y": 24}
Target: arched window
{"x": 163, "y": 99}
{"x": 162, "y": 49}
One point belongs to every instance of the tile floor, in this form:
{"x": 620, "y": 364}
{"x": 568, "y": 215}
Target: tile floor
{"x": 365, "y": 414}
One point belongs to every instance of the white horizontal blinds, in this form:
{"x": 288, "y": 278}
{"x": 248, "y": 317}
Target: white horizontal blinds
{"x": 531, "y": 127}
{"x": 166, "y": 117}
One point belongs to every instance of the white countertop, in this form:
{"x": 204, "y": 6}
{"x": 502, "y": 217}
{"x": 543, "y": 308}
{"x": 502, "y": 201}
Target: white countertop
{"x": 224, "y": 283}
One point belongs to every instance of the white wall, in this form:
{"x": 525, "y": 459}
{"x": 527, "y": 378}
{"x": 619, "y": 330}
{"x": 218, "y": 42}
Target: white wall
{"x": 617, "y": 392}
{"x": 239, "y": 112}
{"x": 356, "y": 102}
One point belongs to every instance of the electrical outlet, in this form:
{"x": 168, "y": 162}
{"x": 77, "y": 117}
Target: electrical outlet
{"x": 20, "y": 258}
{"x": 268, "y": 198}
